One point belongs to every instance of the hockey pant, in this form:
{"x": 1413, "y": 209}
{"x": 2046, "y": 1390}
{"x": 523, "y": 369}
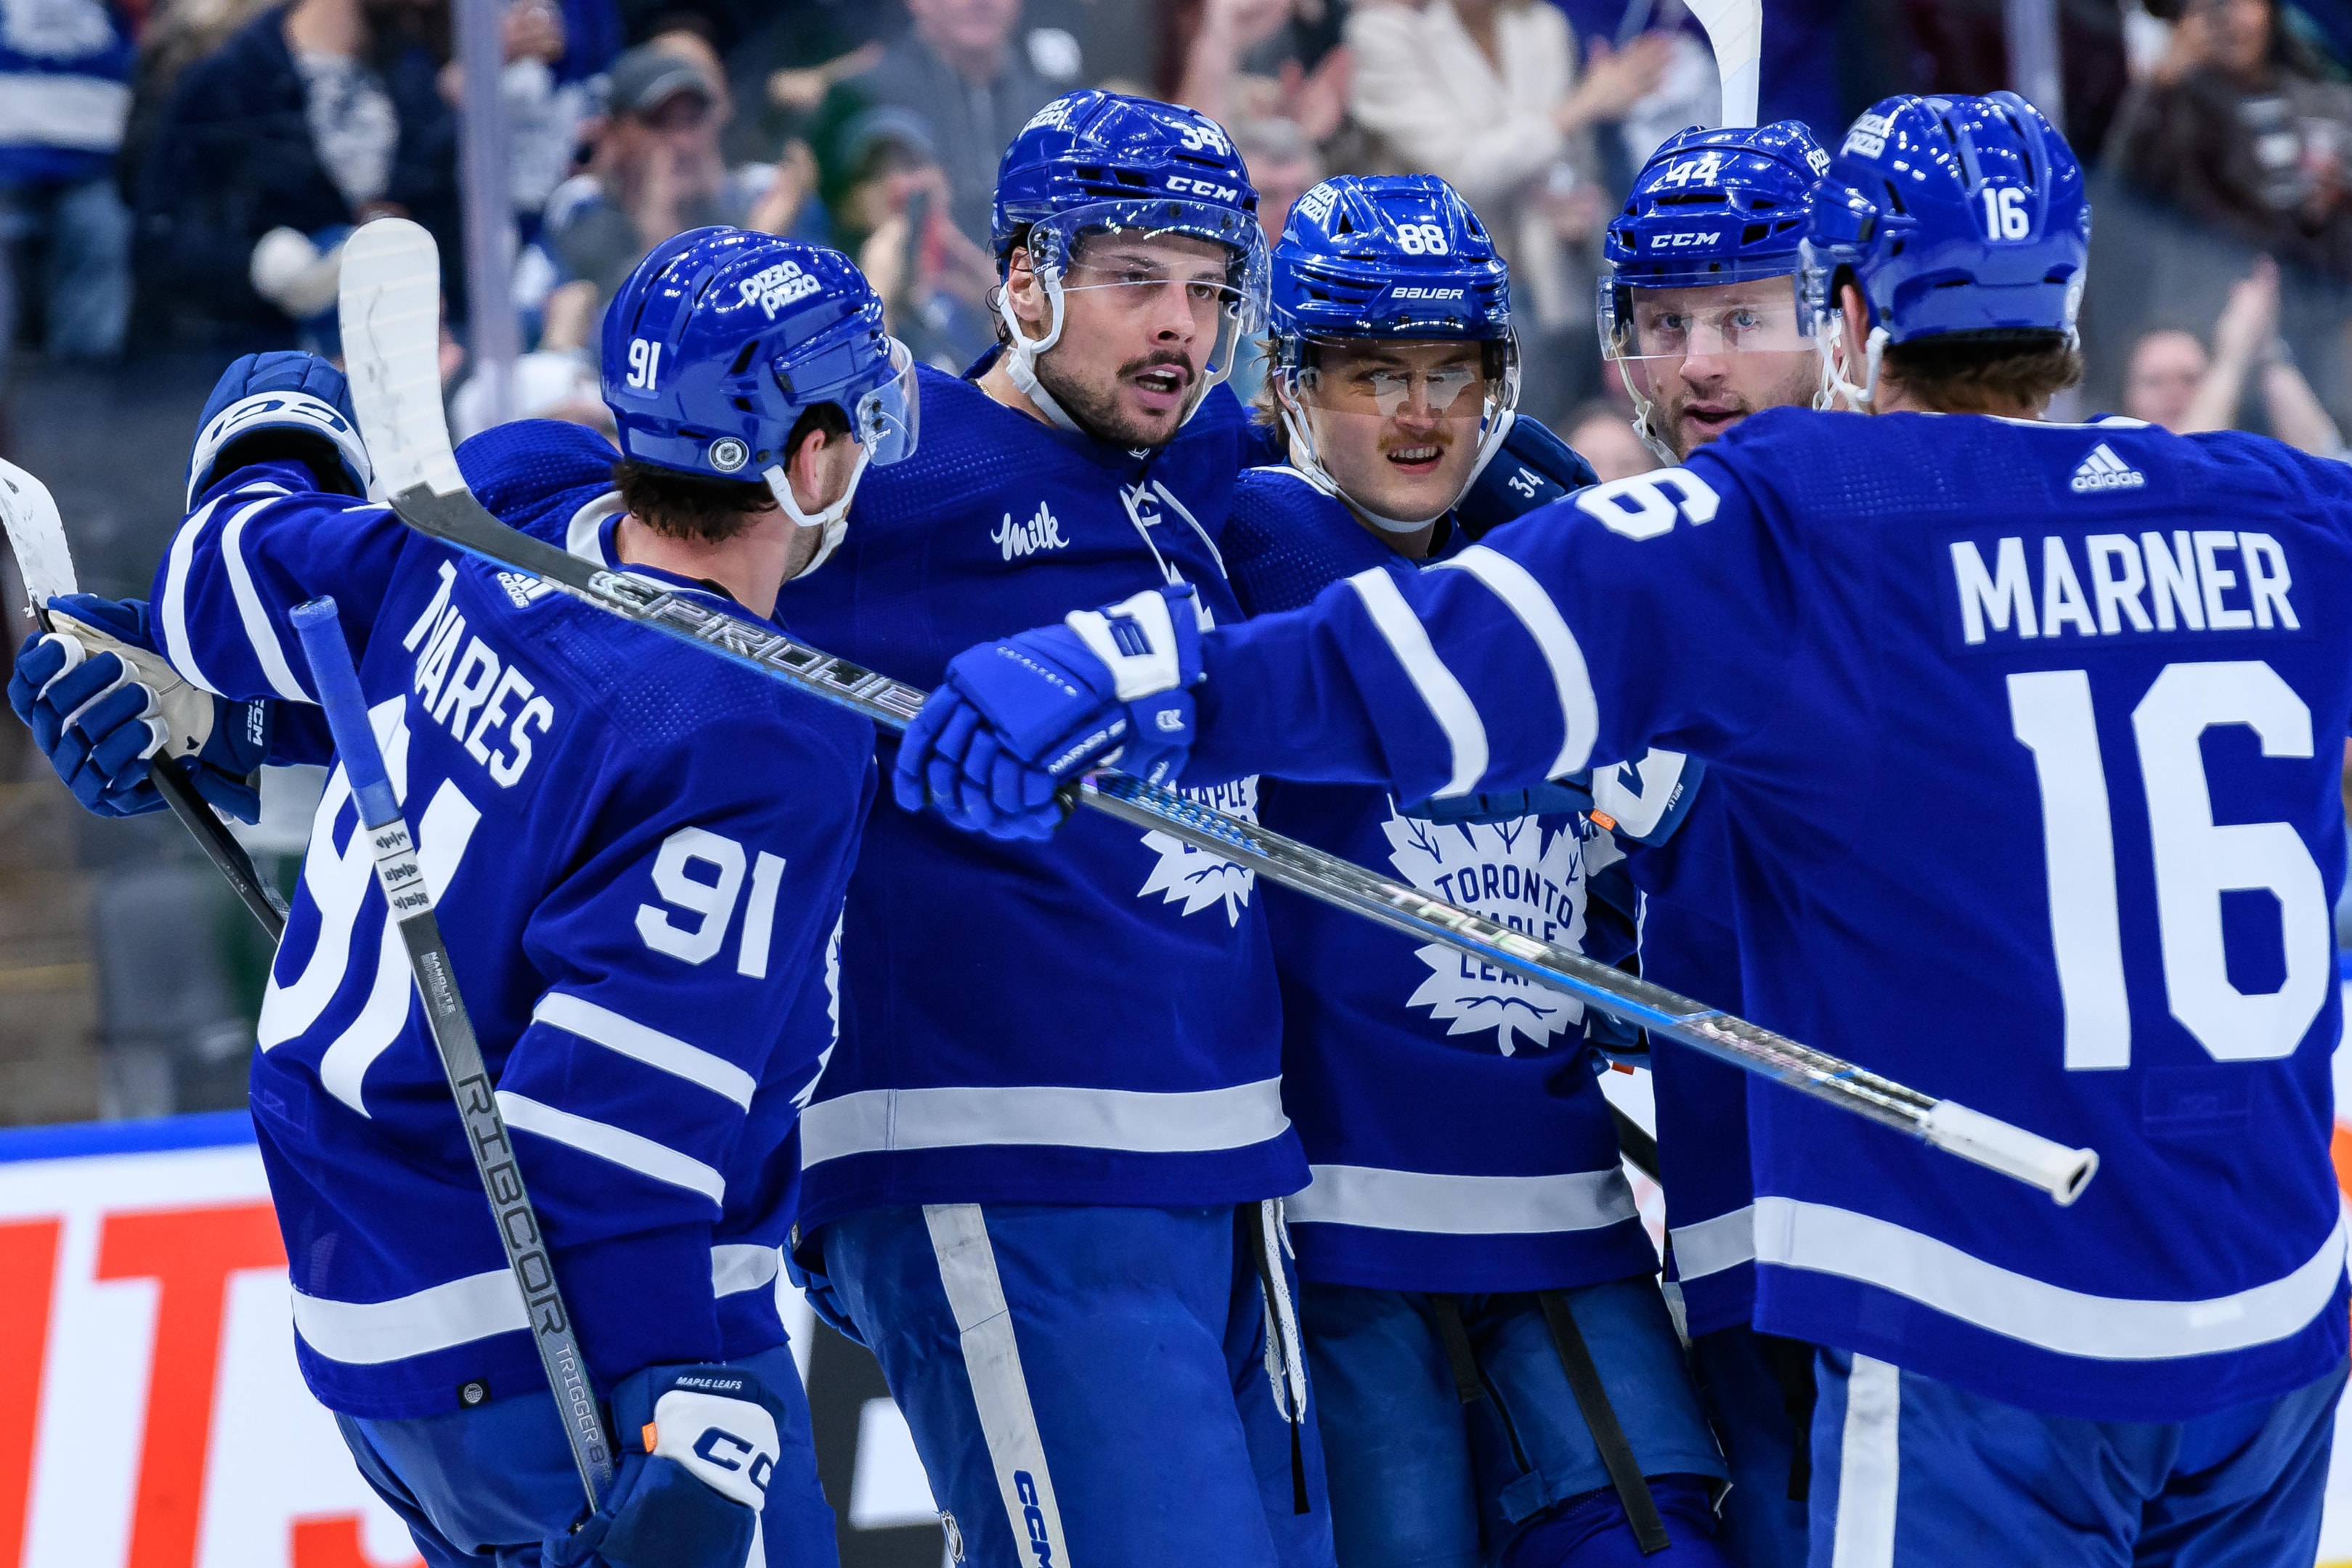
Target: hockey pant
{"x": 1461, "y": 1430}
{"x": 1910, "y": 1470}
{"x": 1758, "y": 1392}
{"x": 1096, "y": 1387}
{"x": 488, "y": 1485}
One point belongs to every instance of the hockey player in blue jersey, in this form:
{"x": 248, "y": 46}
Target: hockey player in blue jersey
{"x": 1882, "y": 634}
{"x": 1041, "y": 1170}
{"x": 1474, "y": 1268}
{"x": 1701, "y": 315}
{"x": 639, "y": 858}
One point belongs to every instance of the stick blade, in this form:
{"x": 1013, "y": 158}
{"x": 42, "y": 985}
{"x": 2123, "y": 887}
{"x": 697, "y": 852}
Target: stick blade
{"x": 36, "y": 534}
{"x": 391, "y": 312}
{"x": 1735, "y": 29}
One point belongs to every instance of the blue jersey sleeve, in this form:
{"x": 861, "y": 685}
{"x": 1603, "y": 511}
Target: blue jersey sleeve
{"x": 264, "y": 541}
{"x": 1657, "y": 609}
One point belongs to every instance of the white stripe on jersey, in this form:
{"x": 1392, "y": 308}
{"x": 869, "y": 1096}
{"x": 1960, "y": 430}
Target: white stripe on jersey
{"x": 1380, "y": 1199}
{"x": 738, "y": 1267}
{"x": 1706, "y": 1247}
{"x": 370, "y": 1333}
{"x": 632, "y": 1151}
{"x": 1870, "y": 1467}
{"x": 1133, "y": 1121}
{"x": 267, "y": 650}
{"x": 1796, "y": 1235}
{"x": 1447, "y": 703}
{"x": 602, "y": 1026}
{"x": 172, "y": 622}
{"x": 1579, "y": 711}
{"x": 1000, "y": 1390}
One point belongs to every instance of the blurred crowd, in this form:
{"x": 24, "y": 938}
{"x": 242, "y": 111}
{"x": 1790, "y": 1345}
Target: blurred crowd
{"x": 177, "y": 178}
{"x": 179, "y": 173}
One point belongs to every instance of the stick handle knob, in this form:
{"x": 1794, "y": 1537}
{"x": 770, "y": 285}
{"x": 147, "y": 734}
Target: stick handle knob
{"x": 337, "y": 684}
{"x": 2059, "y": 1171}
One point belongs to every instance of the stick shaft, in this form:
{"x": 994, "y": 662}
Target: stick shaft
{"x": 455, "y": 517}
{"x": 411, "y": 901}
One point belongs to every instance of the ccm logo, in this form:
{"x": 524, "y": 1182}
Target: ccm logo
{"x": 1208, "y": 188}
{"x": 1034, "y": 1518}
{"x": 1425, "y": 294}
{"x": 1677, "y": 242}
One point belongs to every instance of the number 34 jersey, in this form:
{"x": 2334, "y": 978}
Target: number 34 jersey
{"x": 2033, "y": 733}
{"x": 639, "y": 855}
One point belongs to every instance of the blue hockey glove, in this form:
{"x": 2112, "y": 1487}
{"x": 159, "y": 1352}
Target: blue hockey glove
{"x": 101, "y": 703}
{"x": 1014, "y": 719}
{"x": 1532, "y": 468}
{"x": 817, "y": 1290}
{"x": 282, "y": 404}
{"x": 1572, "y": 793}
{"x": 697, "y": 1446}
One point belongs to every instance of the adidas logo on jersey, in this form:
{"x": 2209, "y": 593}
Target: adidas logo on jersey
{"x": 523, "y": 589}
{"x": 2103, "y": 470}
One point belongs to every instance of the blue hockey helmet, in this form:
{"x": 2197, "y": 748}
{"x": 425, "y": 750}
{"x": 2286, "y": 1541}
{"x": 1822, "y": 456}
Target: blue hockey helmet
{"x": 722, "y": 339}
{"x": 1951, "y": 216}
{"x": 1396, "y": 256}
{"x": 1709, "y": 208}
{"x": 1095, "y": 162}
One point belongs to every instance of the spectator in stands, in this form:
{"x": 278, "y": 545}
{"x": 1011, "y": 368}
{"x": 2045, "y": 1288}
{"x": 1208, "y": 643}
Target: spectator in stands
{"x": 312, "y": 118}
{"x": 2171, "y": 381}
{"x": 934, "y": 282}
{"x": 2235, "y": 128}
{"x": 64, "y": 95}
{"x": 1488, "y": 94}
{"x": 657, "y": 171}
{"x": 553, "y": 54}
{"x": 1603, "y": 433}
{"x": 1285, "y": 165}
{"x": 1250, "y": 59}
{"x": 958, "y": 69}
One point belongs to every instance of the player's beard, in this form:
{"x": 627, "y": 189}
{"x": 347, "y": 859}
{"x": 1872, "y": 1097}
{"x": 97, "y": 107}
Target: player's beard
{"x": 1100, "y": 412}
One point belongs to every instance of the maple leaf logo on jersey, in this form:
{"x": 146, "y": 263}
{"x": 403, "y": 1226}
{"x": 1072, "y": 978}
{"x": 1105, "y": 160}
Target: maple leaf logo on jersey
{"x": 1196, "y": 877}
{"x": 1507, "y": 872}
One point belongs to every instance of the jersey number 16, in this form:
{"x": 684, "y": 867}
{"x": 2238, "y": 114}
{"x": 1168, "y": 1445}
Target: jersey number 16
{"x": 2197, "y": 860}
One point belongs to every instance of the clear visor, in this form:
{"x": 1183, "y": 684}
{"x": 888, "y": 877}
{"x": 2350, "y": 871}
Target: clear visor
{"x": 1398, "y": 425}
{"x": 1159, "y": 257}
{"x": 1761, "y": 316}
{"x": 890, "y": 418}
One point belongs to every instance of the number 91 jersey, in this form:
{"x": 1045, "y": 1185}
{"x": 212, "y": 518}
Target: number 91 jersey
{"x": 639, "y": 856}
{"x": 2031, "y": 737}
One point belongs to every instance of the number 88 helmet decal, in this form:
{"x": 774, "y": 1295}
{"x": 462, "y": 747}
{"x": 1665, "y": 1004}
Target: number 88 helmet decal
{"x": 1952, "y": 215}
{"x": 1397, "y": 257}
{"x": 722, "y": 339}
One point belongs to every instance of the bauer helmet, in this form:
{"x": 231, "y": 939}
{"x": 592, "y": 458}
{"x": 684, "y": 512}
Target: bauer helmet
{"x": 1709, "y": 207}
{"x": 1953, "y": 215}
{"x": 1398, "y": 257}
{"x": 1095, "y": 162}
{"x": 722, "y": 339}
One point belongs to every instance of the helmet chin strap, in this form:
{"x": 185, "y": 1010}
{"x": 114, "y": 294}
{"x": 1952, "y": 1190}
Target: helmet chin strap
{"x": 1642, "y": 431}
{"x": 1309, "y": 464}
{"x": 1021, "y": 353}
{"x": 1829, "y": 336}
{"x": 833, "y": 520}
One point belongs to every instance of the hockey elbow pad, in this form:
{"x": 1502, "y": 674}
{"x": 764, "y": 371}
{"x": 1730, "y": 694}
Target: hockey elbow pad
{"x": 699, "y": 1445}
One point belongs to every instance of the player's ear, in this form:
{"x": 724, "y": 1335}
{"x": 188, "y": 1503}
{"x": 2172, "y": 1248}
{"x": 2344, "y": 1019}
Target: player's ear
{"x": 1026, "y": 294}
{"x": 820, "y": 467}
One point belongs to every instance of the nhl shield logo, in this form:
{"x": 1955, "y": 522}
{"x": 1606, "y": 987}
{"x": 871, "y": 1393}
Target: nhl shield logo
{"x": 727, "y": 454}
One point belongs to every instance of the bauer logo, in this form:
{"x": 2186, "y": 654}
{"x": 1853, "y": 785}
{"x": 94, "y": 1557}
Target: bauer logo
{"x": 726, "y": 454}
{"x": 778, "y": 286}
{"x": 1042, "y": 532}
{"x": 1424, "y": 294}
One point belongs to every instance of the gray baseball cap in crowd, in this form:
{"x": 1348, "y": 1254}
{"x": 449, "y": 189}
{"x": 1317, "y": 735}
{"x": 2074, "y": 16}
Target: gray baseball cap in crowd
{"x": 643, "y": 78}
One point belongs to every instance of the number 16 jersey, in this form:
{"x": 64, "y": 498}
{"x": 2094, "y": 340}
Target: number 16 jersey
{"x": 2034, "y": 732}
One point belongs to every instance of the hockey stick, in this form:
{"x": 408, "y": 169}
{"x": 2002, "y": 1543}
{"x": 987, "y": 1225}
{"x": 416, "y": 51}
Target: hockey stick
{"x": 390, "y": 303}
{"x": 37, "y": 535}
{"x": 411, "y": 901}
{"x": 1735, "y": 29}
